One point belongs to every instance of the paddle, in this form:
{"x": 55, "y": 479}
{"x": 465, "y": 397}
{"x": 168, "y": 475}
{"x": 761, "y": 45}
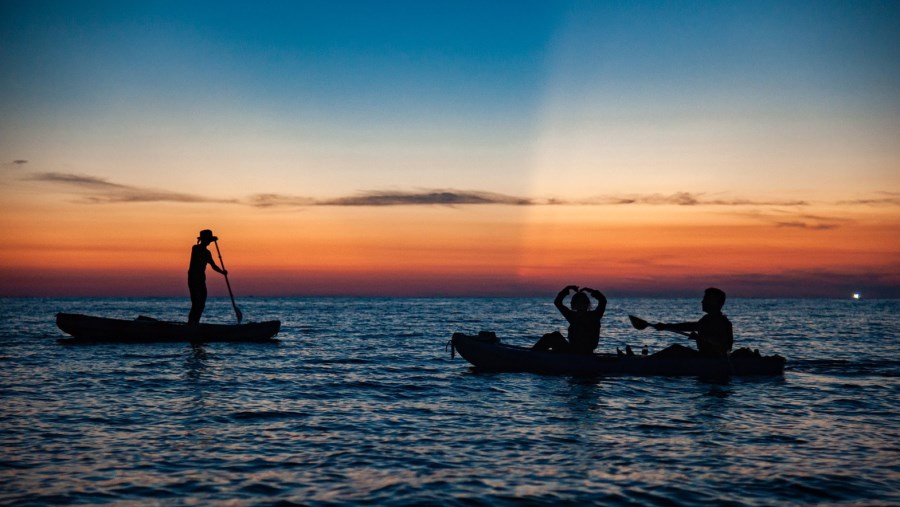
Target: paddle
{"x": 237, "y": 311}
{"x": 641, "y": 324}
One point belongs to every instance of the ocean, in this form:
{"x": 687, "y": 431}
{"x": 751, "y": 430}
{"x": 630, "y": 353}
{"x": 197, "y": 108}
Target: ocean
{"x": 360, "y": 403}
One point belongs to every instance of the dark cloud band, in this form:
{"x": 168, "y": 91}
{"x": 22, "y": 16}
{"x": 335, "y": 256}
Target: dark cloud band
{"x": 100, "y": 191}
{"x": 436, "y": 197}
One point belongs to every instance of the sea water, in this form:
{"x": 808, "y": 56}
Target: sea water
{"x": 361, "y": 403}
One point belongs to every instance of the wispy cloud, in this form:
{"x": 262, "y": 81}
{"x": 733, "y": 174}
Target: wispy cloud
{"x": 274, "y": 200}
{"x": 791, "y": 219}
{"x": 883, "y": 199}
{"x": 393, "y": 198}
{"x": 686, "y": 199}
{"x": 97, "y": 190}
{"x": 13, "y": 165}
{"x": 147, "y": 195}
{"x": 426, "y": 197}
{"x": 800, "y": 224}
{"x": 76, "y": 180}
{"x": 101, "y": 191}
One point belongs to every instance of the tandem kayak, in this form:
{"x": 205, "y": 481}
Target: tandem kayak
{"x": 487, "y": 353}
{"x": 88, "y": 329}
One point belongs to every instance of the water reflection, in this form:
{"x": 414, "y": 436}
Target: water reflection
{"x": 196, "y": 362}
{"x": 718, "y": 391}
{"x": 713, "y": 402}
{"x": 196, "y": 366}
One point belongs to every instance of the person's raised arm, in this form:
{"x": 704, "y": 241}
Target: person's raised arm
{"x": 601, "y": 299}
{"x": 562, "y": 296}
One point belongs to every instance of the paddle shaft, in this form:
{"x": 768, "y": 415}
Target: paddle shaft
{"x": 237, "y": 312}
{"x": 682, "y": 333}
{"x": 641, "y": 324}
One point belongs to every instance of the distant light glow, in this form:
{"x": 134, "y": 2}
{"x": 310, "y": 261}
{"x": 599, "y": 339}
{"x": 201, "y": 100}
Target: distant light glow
{"x": 856, "y": 295}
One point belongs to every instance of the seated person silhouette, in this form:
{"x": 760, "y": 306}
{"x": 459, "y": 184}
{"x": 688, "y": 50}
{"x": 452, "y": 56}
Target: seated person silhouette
{"x": 584, "y": 323}
{"x": 713, "y": 332}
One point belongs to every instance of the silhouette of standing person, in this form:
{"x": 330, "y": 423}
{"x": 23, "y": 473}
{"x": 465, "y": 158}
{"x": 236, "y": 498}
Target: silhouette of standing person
{"x": 200, "y": 257}
{"x": 713, "y": 332}
{"x": 584, "y": 323}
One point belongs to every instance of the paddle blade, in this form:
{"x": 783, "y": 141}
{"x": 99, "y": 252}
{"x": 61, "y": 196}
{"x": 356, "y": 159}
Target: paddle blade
{"x": 639, "y": 324}
{"x": 239, "y": 314}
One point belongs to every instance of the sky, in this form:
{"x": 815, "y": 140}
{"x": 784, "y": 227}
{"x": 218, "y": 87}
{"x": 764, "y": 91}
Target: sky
{"x": 451, "y": 148}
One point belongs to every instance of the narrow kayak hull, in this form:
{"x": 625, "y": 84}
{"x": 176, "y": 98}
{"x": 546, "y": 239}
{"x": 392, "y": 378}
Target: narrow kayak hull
{"x": 488, "y": 355}
{"x": 89, "y": 329}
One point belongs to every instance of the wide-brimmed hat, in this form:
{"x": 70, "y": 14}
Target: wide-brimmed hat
{"x": 206, "y": 234}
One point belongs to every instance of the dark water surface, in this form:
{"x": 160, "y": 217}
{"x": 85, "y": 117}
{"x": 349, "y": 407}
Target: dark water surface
{"x": 361, "y": 403}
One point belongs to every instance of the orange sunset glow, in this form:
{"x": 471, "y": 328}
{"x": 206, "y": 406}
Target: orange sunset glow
{"x": 441, "y": 250}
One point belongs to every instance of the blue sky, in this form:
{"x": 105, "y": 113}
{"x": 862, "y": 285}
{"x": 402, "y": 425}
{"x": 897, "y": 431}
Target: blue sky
{"x": 448, "y": 76}
{"x": 547, "y": 99}
{"x": 447, "y": 85}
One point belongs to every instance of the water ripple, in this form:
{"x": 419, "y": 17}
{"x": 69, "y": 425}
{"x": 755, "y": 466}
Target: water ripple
{"x": 366, "y": 410}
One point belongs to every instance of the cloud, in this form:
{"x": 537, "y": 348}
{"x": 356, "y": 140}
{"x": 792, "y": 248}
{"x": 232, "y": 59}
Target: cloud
{"x": 884, "y": 199}
{"x": 685, "y": 199}
{"x": 100, "y": 191}
{"x": 146, "y": 195}
{"x": 272, "y": 200}
{"x": 450, "y": 197}
{"x": 76, "y": 180}
{"x": 806, "y": 225}
{"x": 97, "y": 190}
{"x": 790, "y": 219}
{"x": 426, "y": 197}
{"x": 393, "y": 198}
{"x": 13, "y": 165}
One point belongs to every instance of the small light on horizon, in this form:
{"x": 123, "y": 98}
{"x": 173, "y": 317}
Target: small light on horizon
{"x": 856, "y": 295}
